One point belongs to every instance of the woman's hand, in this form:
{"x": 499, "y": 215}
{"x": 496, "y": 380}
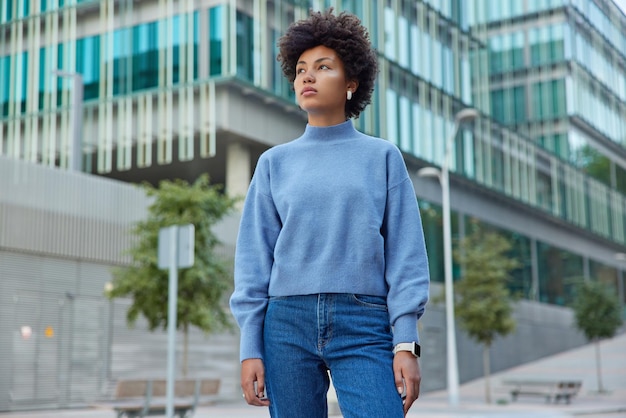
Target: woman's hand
{"x": 253, "y": 382}
{"x": 406, "y": 370}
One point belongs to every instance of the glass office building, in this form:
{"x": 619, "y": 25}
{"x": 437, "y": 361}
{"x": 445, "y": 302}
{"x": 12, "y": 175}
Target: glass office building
{"x": 178, "y": 88}
{"x": 557, "y": 75}
{"x": 159, "y": 76}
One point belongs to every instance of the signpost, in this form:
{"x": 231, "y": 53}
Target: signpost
{"x": 176, "y": 249}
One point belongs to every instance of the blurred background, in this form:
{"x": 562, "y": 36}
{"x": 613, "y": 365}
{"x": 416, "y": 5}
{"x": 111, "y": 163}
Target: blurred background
{"x": 97, "y": 96}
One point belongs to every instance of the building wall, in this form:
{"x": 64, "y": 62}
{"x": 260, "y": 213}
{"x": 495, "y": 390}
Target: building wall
{"x": 558, "y": 76}
{"x": 61, "y": 232}
{"x": 150, "y": 72}
{"x": 67, "y": 344}
{"x": 64, "y": 343}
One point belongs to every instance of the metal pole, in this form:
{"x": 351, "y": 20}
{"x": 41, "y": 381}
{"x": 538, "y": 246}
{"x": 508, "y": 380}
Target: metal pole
{"x": 443, "y": 175}
{"x": 171, "y": 319}
{"x": 452, "y": 364}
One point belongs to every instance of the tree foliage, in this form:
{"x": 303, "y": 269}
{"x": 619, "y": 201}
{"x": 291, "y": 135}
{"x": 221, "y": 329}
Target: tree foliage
{"x": 597, "y": 310}
{"x": 597, "y": 313}
{"x": 483, "y": 301}
{"x": 200, "y": 287}
{"x": 482, "y": 298}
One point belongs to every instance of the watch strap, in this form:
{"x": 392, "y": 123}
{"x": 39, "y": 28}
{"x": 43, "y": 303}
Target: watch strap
{"x": 413, "y": 347}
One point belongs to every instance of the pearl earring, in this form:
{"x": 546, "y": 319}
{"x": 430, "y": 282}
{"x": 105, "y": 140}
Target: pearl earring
{"x": 349, "y": 95}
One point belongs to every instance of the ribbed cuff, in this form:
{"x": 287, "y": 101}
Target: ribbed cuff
{"x": 405, "y": 329}
{"x": 251, "y": 345}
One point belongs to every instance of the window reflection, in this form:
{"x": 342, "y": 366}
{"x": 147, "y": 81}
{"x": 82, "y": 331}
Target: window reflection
{"x": 559, "y": 272}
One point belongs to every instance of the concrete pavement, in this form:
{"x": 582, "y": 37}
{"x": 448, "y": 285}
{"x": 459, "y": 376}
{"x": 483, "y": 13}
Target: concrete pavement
{"x": 579, "y": 363}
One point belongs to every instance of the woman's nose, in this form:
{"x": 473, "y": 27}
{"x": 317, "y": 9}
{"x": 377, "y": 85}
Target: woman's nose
{"x": 308, "y": 77}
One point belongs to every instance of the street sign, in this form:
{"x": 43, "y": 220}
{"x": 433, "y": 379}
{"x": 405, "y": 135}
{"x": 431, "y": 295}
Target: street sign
{"x": 184, "y": 240}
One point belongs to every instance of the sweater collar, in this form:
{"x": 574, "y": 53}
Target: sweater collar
{"x": 330, "y": 133}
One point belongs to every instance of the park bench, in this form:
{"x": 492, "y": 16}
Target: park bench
{"x": 140, "y": 398}
{"x": 556, "y": 389}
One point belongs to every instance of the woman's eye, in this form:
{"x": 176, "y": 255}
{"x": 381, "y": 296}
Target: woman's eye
{"x": 299, "y": 70}
{"x": 324, "y": 67}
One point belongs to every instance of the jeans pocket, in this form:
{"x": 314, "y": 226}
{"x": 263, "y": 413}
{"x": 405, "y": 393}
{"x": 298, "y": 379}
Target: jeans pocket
{"x": 378, "y": 302}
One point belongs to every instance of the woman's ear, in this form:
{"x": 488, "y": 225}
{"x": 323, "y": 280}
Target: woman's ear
{"x": 353, "y": 85}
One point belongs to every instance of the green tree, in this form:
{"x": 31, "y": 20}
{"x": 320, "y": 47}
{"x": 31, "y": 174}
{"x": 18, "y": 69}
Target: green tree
{"x": 598, "y": 315}
{"x": 594, "y": 163}
{"x": 200, "y": 287}
{"x": 482, "y": 299}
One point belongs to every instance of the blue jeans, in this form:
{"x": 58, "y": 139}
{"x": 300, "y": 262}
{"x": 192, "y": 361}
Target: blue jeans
{"x": 350, "y": 335}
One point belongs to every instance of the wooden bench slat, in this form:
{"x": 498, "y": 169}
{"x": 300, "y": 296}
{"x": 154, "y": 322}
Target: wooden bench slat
{"x": 131, "y": 388}
{"x": 557, "y": 389}
{"x": 138, "y": 398}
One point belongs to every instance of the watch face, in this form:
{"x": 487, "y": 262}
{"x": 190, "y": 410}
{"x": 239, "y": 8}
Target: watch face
{"x": 417, "y": 350}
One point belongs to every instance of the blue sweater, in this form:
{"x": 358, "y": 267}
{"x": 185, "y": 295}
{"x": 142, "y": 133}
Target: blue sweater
{"x": 333, "y": 211}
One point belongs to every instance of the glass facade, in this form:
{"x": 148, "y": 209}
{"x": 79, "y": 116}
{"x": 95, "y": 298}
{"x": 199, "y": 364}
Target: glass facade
{"x": 551, "y": 91}
{"x": 557, "y": 77}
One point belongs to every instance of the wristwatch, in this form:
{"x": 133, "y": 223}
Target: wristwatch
{"x": 413, "y": 347}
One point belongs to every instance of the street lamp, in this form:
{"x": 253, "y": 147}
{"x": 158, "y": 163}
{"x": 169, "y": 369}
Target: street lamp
{"x": 76, "y": 163}
{"x": 463, "y": 116}
{"x": 621, "y": 277}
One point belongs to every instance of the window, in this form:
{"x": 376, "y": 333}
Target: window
{"x": 5, "y": 83}
{"x": 559, "y": 272}
{"x": 245, "y": 48}
{"x": 88, "y": 65}
{"x": 216, "y": 17}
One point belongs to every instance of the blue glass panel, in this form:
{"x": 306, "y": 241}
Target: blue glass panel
{"x": 5, "y": 66}
{"x": 121, "y": 57}
{"x": 42, "y": 76}
{"x": 25, "y": 9}
{"x": 88, "y": 65}
{"x": 196, "y": 41}
{"x": 176, "y": 49}
{"x": 519, "y": 102}
{"x": 145, "y": 56}
{"x": 21, "y": 92}
{"x": 497, "y": 105}
{"x": 559, "y": 271}
{"x": 245, "y": 33}
{"x": 458, "y": 13}
{"x": 353, "y": 6}
{"x": 59, "y": 80}
{"x": 215, "y": 39}
{"x": 6, "y": 10}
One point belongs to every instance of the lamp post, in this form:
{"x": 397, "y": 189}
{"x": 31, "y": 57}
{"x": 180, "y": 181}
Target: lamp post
{"x": 464, "y": 115}
{"x": 621, "y": 277}
{"x": 76, "y": 163}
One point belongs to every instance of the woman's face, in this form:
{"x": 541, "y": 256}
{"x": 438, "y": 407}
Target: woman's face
{"x": 321, "y": 86}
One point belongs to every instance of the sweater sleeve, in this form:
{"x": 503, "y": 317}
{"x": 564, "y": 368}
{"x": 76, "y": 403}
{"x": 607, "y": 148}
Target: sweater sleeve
{"x": 254, "y": 257}
{"x": 406, "y": 263}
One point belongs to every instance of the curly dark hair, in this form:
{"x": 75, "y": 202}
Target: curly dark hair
{"x": 347, "y": 37}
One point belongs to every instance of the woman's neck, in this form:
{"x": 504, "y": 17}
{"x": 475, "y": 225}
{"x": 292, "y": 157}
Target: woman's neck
{"x": 326, "y": 120}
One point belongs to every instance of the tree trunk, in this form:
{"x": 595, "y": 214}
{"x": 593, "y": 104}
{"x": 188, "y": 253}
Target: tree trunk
{"x": 185, "y": 350}
{"x": 598, "y": 366}
{"x": 487, "y": 373}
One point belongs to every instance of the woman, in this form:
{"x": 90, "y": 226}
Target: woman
{"x": 330, "y": 267}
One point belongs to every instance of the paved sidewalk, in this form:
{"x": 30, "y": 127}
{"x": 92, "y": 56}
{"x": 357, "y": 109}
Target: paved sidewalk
{"x": 575, "y": 364}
